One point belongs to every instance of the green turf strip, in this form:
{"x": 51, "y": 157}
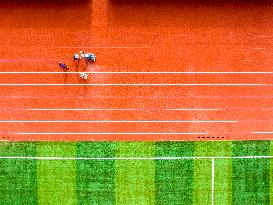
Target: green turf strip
{"x": 96, "y": 178}
{"x": 135, "y": 178}
{"x": 174, "y": 178}
{"x": 222, "y": 172}
{"x": 271, "y": 173}
{"x": 203, "y": 173}
{"x": 18, "y": 183}
{"x": 251, "y": 176}
{"x": 56, "y": 178}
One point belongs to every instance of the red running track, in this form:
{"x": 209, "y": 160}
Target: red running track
{"x": 177, "y": 70}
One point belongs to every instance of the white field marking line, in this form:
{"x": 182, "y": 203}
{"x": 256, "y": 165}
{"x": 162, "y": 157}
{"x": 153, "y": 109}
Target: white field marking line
{"x": 109, "y": 133}
{"x": 110, "y": 109}
{"x": 136, "y": 84}
{"x": 118, "y": 121}
{"x": 212, "y": 181}
{"x": 140, "y": 72}
{"x": 133, "y": 158}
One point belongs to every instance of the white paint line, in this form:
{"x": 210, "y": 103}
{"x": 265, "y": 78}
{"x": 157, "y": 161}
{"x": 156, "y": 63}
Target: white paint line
{"x": 136, "y": 84}
{"x": 263, "y": 36}
{"x": 181, "y": 35}
{"x": 262, "y": 132}
{"x": 109, "y": 133}
{"x": 108, "y": 47}
{"x": 111, "y": 109}
{"x": 212, "y": 181}
{"x": 133, "y": 158}
{"x": 139, "y": 72}
{"x": 133, "y": 109}
{"x": 118, "y": 121}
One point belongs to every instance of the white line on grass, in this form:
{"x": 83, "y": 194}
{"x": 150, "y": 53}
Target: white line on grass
{"x": 118, "y": 121}
{"x": 140, "y": 84}
{"x": 133, "y": 158}
{"x": 212, "y": 181}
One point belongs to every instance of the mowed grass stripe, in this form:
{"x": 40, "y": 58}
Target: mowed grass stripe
{"x": 271, "y": 173}
{"x": 222, "y": 188}
{"x": 174, "y": 178}
{"x": 222, "y": 172}
{"x": 251, "y": 176}
{"x": 56, "y": 179}
{"x": 18, "y": 184}
{"x": 202, "y": 176}
{"x": 96, "y": 178}
{"x": 135, "y": 179}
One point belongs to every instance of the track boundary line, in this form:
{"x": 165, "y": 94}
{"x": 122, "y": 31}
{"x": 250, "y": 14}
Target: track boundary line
{"x": 134, "y": 158}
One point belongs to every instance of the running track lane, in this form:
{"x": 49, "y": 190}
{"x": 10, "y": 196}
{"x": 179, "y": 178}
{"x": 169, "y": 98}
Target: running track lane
{"x": 126, "y": 36}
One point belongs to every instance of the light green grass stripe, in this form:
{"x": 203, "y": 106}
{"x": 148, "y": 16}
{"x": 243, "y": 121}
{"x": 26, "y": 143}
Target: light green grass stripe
{"x": 202, "y": 192}
{"x": 18, "y": 183}
{"x": 56, "y": 178}
{"x": 202, "y": 175}
{"x": 251, "y": 176}
{"x": 135, "y": 179}
{"x": 271, "y": 173}
{"x": 96, "y": 178}
{"x": 174, "y": 178}
{"x": 222, "y": 173}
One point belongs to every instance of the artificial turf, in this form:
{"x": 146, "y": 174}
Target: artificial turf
{"x": 148, "y": 181}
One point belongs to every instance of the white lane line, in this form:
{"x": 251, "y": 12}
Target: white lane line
{"x": 115, "y": 47}
{"x": 264, "y": 36}
{"x": 111, "y": 109}
{"x": 141, "y": 84}
{"x": 262, "y": 132}
{"x": 118, "y": 121}
{"x": 140, "y": 72}
{"x": 109, "y": 133}
{"x": 212, "y": 181}
{"x": 209, "y": 97}
{"x": 132, "y": 158}
{"x": 134, "y": 109}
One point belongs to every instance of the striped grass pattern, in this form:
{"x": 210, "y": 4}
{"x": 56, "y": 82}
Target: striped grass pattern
{"x": 148, "y": 181}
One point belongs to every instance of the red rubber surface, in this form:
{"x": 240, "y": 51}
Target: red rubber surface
{"x": 137, "y": 36}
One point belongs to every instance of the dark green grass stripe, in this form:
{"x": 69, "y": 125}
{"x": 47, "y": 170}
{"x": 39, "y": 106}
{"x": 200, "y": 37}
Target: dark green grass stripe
{"x": 18, "y": 183}
{"x": 174, "y": 178}
{"x": 56, "y": 178}
{"x": 96, "y": 179}
{"x": 135, "y": 178}
{"x": 251, "y": 176}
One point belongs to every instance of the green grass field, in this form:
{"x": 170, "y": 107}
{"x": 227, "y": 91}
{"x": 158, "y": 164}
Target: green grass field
{"x": 136, "y": 173}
